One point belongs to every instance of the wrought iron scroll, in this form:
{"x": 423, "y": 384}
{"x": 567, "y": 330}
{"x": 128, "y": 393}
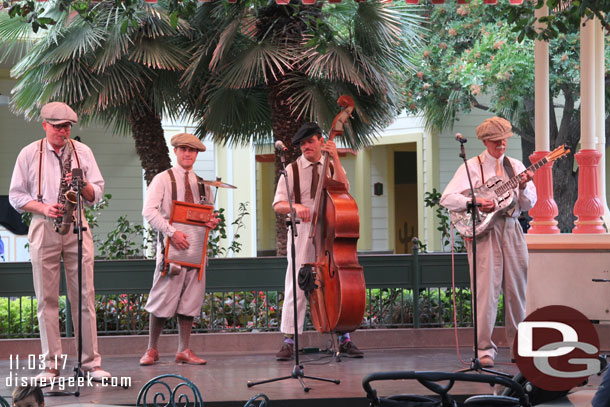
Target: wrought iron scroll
{"x": 263, "y": 402}
{"x": 174, "y": 398}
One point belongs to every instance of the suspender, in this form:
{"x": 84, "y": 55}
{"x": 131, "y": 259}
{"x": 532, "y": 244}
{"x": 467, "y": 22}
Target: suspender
{"x": 296, "y": 185}
{"x": 40, "y": 156}
{"x": 40, "y": 170}
{"x": 199, "y": 183}
{"x": 201, "y": 188}
{"x": 173, "y": 180}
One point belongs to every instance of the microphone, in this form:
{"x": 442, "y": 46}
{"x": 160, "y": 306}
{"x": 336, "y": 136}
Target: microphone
{"x": 460, "y": 138}
{"x": 280, "y": 146}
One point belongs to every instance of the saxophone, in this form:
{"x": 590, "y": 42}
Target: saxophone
{"x": 66, "y": 197}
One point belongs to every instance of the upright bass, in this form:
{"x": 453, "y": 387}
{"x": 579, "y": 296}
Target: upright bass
{"x": 337, "y": 303}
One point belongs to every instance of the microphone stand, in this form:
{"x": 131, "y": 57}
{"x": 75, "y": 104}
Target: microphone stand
{"x": 297, "y": 370}
{"x": 472, "y": 207}
{"x": 77, "y": 175}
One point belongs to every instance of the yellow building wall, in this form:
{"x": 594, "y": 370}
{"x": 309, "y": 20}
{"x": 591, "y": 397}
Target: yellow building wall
{"x": 235, "y": 165}
{"x": 265, "y": 187}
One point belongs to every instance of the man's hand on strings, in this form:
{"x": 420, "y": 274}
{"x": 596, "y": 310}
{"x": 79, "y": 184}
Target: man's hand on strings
{"x": 179, "y": 240}
{"x": 331, "y": 148}
{"x": 487, "y": 205}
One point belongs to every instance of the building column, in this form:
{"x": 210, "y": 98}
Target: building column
{"x": 362, "y": 192}
{"x": 600, "y": 116}
{"x": 545, "y": 210}
{"x": 588, "y": 207}
{"x": 236, "y": 166}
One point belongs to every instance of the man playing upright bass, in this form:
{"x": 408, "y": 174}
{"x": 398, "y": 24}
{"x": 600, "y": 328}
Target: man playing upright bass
{"x": 302, "y": 178}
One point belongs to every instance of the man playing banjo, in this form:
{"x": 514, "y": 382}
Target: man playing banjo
{"x": 502, "y": 257}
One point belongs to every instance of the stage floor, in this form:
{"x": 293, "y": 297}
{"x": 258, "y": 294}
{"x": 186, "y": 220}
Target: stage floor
{"x": 223, "y": 381}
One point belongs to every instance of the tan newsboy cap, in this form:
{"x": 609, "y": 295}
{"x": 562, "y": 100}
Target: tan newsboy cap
{"x": 58, "y": 113}
{"x": 189, "y": 140}
{"x": 494, "y": 129}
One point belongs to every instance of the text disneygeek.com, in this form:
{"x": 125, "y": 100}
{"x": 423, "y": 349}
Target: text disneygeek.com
{"x": 63, "y": 383}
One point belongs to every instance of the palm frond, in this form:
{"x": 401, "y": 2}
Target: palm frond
{"x": 157, "y": 54}
{"x": 388, "y": 31}
{"x": 236, "y": 116}
{"x": 336, "y": 64}
{"x": 257, "y": 64}
{"x": 226, "y": 39}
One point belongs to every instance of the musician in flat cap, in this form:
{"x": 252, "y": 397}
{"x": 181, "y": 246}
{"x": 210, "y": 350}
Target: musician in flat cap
{"x": 502, "y": 257}
{"x": 40, "y": 181}
{"x": 181, "y": 291}
{"x": 303, "y": 175}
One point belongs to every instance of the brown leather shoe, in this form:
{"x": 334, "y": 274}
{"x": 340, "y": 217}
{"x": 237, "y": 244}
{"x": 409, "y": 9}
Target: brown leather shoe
{"x": 487, "y": 361}
{"x": 350, "y": 350}
{"x": 150, "y": 357}
{"x": 189, "y": 358}
{"x": 285, "y": 352}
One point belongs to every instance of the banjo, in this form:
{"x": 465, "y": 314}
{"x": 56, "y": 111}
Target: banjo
{"x": 501, "y": 192}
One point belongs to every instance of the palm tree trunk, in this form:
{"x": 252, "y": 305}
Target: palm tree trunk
{"x": 284, "y": 127}
{"x": 150, "y": 143}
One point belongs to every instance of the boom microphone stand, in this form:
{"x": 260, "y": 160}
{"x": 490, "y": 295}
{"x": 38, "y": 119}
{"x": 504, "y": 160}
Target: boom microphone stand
{"x": 297, "y": 369}
{"x": 472, "y": 207}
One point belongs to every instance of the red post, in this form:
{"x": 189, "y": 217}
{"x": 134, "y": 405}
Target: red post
{"x": 545, "y": 210}
{"x": 588, "y": 207}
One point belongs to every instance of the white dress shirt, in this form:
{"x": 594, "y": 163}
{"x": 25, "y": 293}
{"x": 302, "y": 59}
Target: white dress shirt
{"x": 24, "y": 182}
{"x": 158, "y": 202}
{"x": 454, "y": 199}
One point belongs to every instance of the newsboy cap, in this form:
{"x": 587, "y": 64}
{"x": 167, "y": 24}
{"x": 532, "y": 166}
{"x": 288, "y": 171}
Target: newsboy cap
{"x": 307, "y": 130}
{"x": 58, "y": 113}
{"x": 187, "y": 139}
{"x": 494, "y": 129}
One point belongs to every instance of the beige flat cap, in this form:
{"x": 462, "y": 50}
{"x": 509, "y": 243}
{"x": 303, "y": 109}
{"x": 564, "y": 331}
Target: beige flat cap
{"x": 494, "y": 129}
{"x": 58, "y": 113}
{"x": 187, "y": 139}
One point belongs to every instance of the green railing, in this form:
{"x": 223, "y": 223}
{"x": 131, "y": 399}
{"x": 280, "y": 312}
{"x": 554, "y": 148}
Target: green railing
{"x": 246, "y": 294}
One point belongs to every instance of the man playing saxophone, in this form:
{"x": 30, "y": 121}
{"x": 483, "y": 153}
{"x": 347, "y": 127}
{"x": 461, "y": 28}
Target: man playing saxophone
{"x": 41, "y": 179}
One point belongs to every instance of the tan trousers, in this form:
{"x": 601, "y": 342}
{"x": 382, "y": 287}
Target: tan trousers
{"x": 181, "y": 294}
{"x": 502, "y": 261}
{"x": 304, "y": 254}
{"x": 47, "y": 247}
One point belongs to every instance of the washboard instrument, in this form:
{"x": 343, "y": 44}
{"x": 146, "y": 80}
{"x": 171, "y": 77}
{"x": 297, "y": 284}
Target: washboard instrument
{"x": 500, "y": 191}
{"x": 189, "y": 218}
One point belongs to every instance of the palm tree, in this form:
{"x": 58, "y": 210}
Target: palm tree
{"x": 116, "y": 69}
{"x": 259, "y": 70}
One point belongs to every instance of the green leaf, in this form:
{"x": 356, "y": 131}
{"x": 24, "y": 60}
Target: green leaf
{"x": 173, "y": 19}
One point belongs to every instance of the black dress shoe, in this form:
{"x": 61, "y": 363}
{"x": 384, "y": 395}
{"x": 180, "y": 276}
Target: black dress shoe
{"x": 285, "y": 352}
{"x": 350, "y": 350}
